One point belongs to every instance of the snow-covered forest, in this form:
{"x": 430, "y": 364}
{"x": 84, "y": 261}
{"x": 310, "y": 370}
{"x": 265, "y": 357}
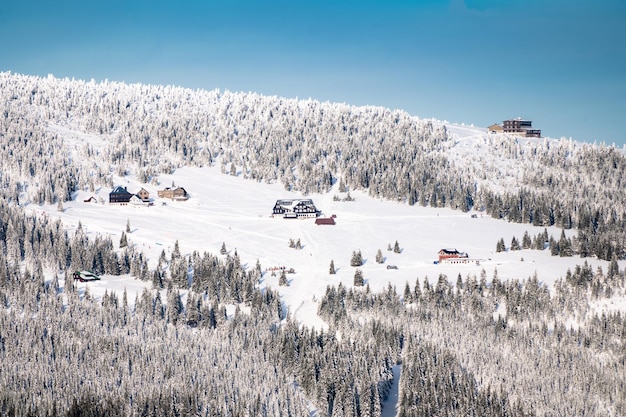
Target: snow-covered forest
{"x": 305, "y": 145}
{"x": 229, "y": 347}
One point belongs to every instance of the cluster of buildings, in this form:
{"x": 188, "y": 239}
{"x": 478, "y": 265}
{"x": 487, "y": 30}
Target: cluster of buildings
{"x": 287, "y": 208}
{"x": 516, "y": 126}
{"x": 120, "y": 195}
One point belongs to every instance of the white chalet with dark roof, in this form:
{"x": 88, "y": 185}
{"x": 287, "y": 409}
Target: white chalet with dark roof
{"x": 295, "y": 208}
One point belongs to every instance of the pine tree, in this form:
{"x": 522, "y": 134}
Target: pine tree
{"x": 554, "y": 247}
{"x": 379, "y": 257}
{"x": 158, "y": 306}
{"x": 357, "y": 259}
{"x": 123, "y": 240}
{"x": 282, "y": 281}
{"x": 565, "y": 245}
{"x": 192, "y": 310}
{"x": 426, "y": 290}
{"x": 176, "y": 252}
{"x": 332, "y": 270}
{"x": 127, "y": 226}
{"x": 358, "y": 278}
{"x": 526, "y": 241}
{"x": 257, "y": 268}
{"x": 173, "y": 306}
{"x": 342, "y": 186}
{"x": 223, "y": 250}
{"x": 408, "y": 294}
{"x": 613, "y": 271}
{"x": 500, "y": 246}
{"x": 157, "y": 280}
{"x": 396, "y": 247}
{"x": 417, "y": 291}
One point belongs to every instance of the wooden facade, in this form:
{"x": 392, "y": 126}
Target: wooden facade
{"x": 495, "y": 128}
{"x": 144, "y": 195}
{"x": 178, "y": 193}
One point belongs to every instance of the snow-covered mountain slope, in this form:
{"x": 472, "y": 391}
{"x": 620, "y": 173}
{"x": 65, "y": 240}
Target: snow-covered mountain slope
{"x": 67, "y": 140}
{"x": 229, "y": 209}
{"x": 493, "y": 341}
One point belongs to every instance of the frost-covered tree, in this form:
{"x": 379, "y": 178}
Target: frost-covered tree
{"x": 379, "y": 257}
{"x": 356, "y": 259}
{"x": 123, "y": 240}
{"x": 358, "y": 278}
{"x": 500, "y": 246}
{"x": 282, "y": 280}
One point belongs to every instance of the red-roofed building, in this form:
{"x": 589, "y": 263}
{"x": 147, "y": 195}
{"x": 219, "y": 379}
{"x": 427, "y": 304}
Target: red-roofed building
{"x": 451, "y": 253}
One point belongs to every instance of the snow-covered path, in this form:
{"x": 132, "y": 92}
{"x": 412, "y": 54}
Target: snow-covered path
{"x": 390, "y": 406}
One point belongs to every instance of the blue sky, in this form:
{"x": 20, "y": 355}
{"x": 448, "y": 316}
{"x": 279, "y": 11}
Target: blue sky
{"x": 559, "y": 63}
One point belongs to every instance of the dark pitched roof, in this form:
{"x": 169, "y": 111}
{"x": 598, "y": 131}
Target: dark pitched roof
{"x": 449, "y": 251}
{"x": 120, "y": 190}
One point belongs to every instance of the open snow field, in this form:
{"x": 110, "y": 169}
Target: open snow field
{"x": 230, "y": 209}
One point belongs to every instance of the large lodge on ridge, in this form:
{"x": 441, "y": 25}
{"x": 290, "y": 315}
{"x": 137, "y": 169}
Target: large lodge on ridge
{"x": 516, "y": 126}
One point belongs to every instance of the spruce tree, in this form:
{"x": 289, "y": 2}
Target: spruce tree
{"x": 408, "y": 294}
{"x": 358, "y": 278}
{"x": 565, "y": 245}
{"x": 192, "y": 310}
{"x": 332, "y": 270}
{"x": 282, "y": 281}
{"x": 417, "y": 291}
{"x": 396, "y": 247}
{"x": 357, "y": 259}
{"x": 500, "y": 246}
{"x": 379, "y": 257}
{"x": 123, "y": 240}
